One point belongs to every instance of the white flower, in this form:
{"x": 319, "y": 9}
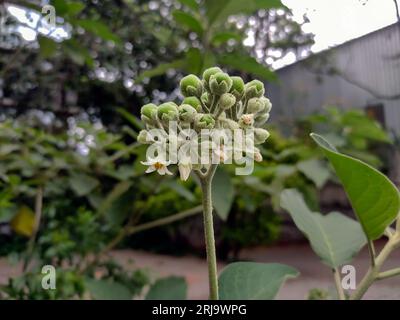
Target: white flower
{"x": 157, "y": 165}
{"x": 185, "y": 167}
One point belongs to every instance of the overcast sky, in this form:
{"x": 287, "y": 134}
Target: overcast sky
{"x": 337, "y": 21}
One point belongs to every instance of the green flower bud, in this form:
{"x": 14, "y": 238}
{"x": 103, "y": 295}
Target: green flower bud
{"x": 267, "y": 105}
{"x": 230, "y": 124}
{"x": 261, "y": 119}
{"x": 237, "y": 87}
{"x": 144, "y": 137}
{"x": 207, "y": 74}
{"x": 205, "y": 98}
{"x": 253, "y": 89}
{"x": 226, "y": 101}
{"x": 260, "y": 135}
{"x": 187, "y": 113}
{"x": 246, "y": 120}
{"x": 255, "y": 105}
{"x": 168, "y": 112}
{"x": 149, "y": 112}
{"x": 204, "y": 121}
{"x": 191, "y": 86}
{"x": 220, "y": 83}
{"x": 194, "y": 102}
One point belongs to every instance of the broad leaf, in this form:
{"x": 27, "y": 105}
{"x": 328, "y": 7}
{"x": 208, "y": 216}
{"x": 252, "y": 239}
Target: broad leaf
{"x": 249, "y": 65}
{"x": 23, "y": 222}
{"x": 107, "y": 290}
{"x": 192, "y": 4}
{"x": 189, "y": 21}
{"x": 99, "y": 29}
{"x": 253, "y": 281}
{"x": 160, "y": 69}
{"x": 47, "y": 47}
{"x": 219, "y": 11}
{"x": 223, "y": 37}
{"x": 374, "y": 198}
{"x": 222, "y": 193}
{"x": 171, "y": 288}
{"x": 314, "y": 170}
{"x": 335, "y": 238}
{"x": 82, "y": 184}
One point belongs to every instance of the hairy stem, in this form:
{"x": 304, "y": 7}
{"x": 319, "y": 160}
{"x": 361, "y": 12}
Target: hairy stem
{"x": 338, "y": 283}
{"x": 373, "y": 271}
{"x": 206, "y": 183}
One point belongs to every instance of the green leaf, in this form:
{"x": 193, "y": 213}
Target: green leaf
{"x": 192, "y": 4}
{"x": 253, "y": 281}
{"x": 99, "y": 29}
{"x": 374, "y": 198}
{"x": 194, "y": 61}
{"x": 180, "y": 189}
{"x": 131, "y": 118}
{"x": 248, "y": 64}
{"x": 219, "y": 11}
{"x": 188, "y": 21}
{"x": 107, "y": 290}
{"x": 161, "y": 69}
{"x": 171, "y": 288}
{"x": 335, "y": 238}
{"x": 118, "y": 190}
{"x": 222, "y": 193}
{"x": 47, "y": 47}
{"x": 82, "y": 184}
{"x": 314, "y": 170}
{"x": 223, "y": 37}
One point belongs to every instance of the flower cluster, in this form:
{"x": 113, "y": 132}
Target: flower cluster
{"x": 215, "y": 102}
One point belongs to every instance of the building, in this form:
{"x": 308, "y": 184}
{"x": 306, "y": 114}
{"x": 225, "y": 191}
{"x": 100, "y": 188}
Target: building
{"x": 361, "y": 73}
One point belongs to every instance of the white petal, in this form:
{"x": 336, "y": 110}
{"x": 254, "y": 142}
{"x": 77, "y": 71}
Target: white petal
{"x": 161, "y": 171}
{"x": 150, "y": 169}
{"x": 184, "y": 171}
{"x": 168, "y": 172}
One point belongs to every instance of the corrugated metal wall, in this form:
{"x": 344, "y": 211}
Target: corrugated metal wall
{"x": 372, "y": 62}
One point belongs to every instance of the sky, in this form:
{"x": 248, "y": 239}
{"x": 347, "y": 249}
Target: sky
{"x": 336, "y": 21}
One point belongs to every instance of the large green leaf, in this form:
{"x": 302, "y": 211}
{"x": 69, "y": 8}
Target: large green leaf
{"x": 222, "y": 193}
{"x": 253, "y": 281}
{"x": 219, "y": 11}
{"x": 107, "y": 290}
{"x": 188, "y": 21}
{"x": 192, "y": 4}
{"x": 99, "y": 29}
{"x": 48, "y": 47}
{"x": 335, "y": 238}
{"x": 222, "y": 37}
{"x": 247, "y": 64}
{"x": 171, "y": 288}
{"x": 374, "y": 198}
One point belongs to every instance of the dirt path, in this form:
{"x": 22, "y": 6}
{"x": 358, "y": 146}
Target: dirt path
{"x": 313, "y": 273}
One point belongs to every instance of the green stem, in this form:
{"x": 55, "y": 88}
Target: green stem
{"x": 388, "y": 274}
{"x": 373, "y": 271}
{"x": 338, "y": 283}
{"x": 206, "y": 183}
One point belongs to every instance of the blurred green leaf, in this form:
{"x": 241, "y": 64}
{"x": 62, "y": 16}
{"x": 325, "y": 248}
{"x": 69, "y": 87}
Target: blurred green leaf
{"x": 253, "y": 281}
{"x": 99, "y": 29}
{"x": 222, "y": 193}
{"x": 194, "y": 61}
{"x": 188, "y": 21}
{"x": 161, "y": 69}
{"x": 335, "y": 238}
{"x": 47, "y": 47}
{"x": 222, "y": 37}
{"x": 192, "y": 4}
{"x": 219, "y": 11}
{"x": 314, "y": 170}
{"x": 374, "y": 198}
{"x": 82, "y": 184}
{"x": 247, "y": 64}
{"x": 107, "y": 290}
{"x": 171, "y": 288}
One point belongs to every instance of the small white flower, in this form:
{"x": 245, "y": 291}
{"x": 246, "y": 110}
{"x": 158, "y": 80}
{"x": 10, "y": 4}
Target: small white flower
{"x": 157, "y": 165}
{"x": 185, "y": 167}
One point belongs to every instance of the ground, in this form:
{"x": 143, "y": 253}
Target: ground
{"x": 313, "y": 273}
